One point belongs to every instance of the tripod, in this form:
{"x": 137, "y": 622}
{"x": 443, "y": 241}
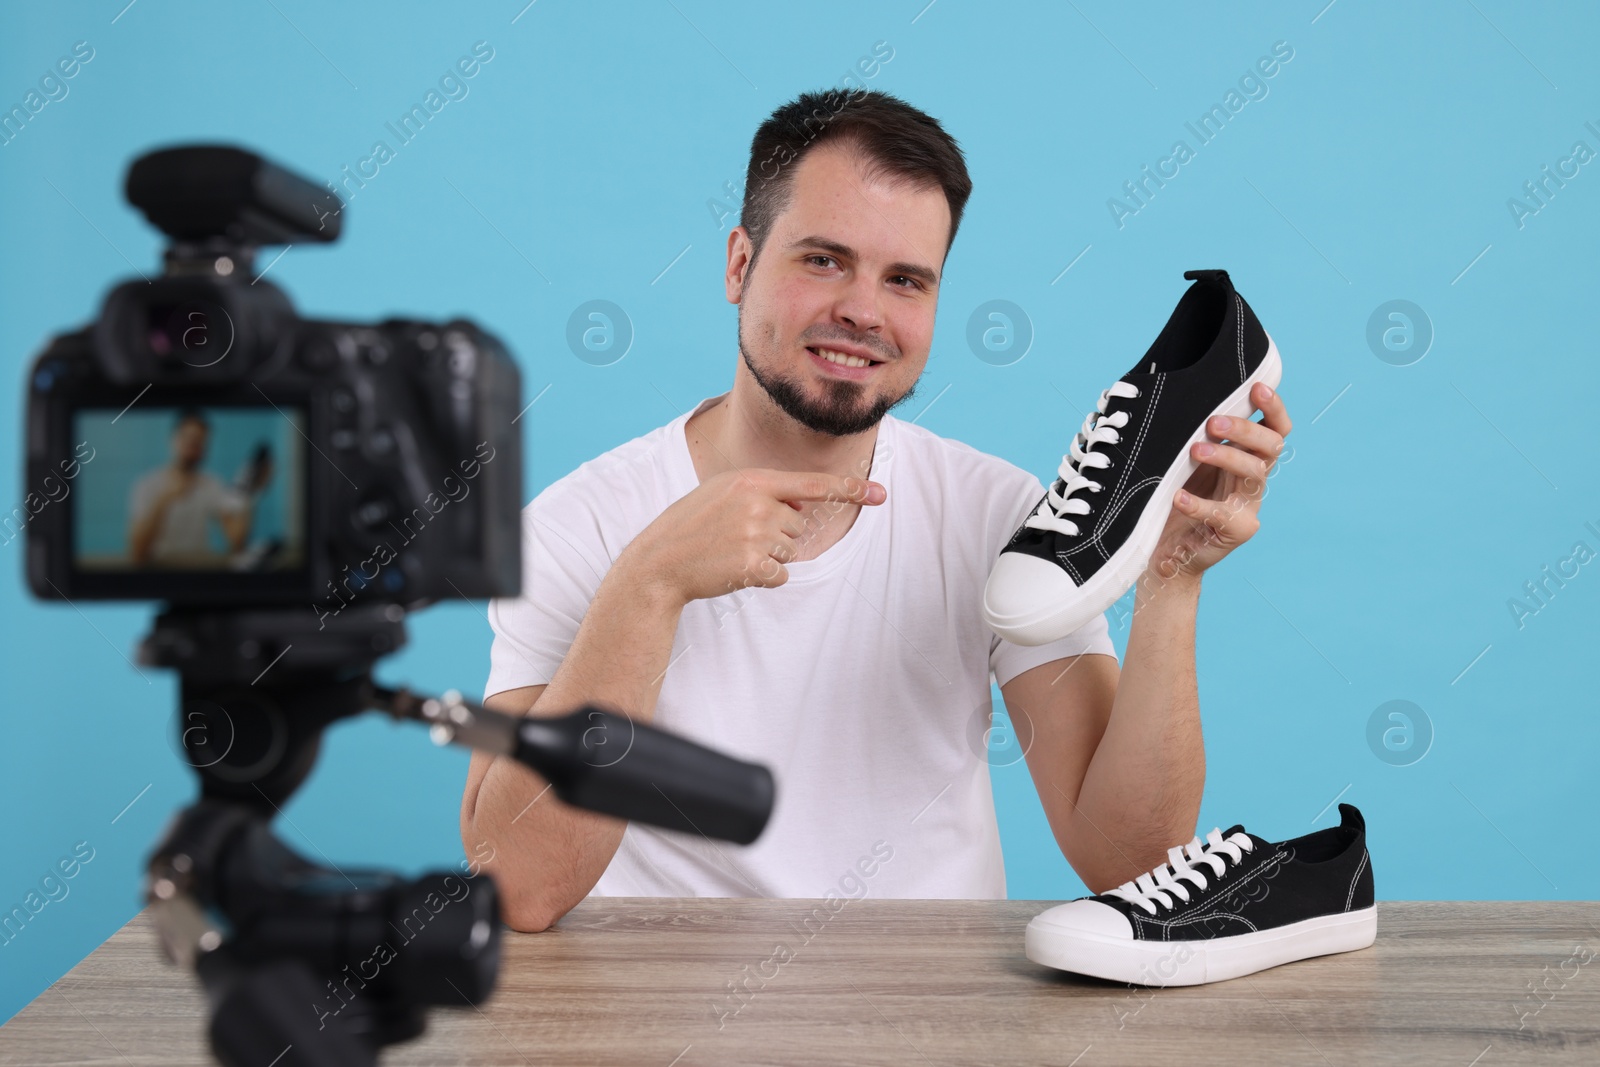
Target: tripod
{"x": 307, "y": 965}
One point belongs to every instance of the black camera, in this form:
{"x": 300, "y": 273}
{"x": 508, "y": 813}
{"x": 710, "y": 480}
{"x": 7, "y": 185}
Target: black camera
{"x": 204, "y": 445}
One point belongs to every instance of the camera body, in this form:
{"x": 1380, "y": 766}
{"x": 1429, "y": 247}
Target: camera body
{"x": 209, "y": 447}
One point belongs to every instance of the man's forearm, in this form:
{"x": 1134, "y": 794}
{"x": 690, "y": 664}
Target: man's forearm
{"x": 1141, "y": 791}
{"x": 548, "y": 856}
{"x": 143, "y": 535}
{"x": 236, "y": 526}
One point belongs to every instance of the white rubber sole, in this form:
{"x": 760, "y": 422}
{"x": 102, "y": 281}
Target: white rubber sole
{"x": 1061, "y": 615}
{"x": 1176, "y": 963}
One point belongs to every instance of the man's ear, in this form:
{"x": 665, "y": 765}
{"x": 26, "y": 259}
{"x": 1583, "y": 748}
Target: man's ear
{"x": 740, "y": 260}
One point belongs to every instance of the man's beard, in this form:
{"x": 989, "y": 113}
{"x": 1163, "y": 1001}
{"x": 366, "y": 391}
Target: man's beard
{"x": 838, "y": 414}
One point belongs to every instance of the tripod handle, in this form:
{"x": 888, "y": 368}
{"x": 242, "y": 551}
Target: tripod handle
{"x": 603, "y": 761}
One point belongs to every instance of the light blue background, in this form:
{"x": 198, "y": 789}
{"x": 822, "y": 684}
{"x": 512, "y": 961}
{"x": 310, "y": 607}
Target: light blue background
{"x": 584, "y": 164}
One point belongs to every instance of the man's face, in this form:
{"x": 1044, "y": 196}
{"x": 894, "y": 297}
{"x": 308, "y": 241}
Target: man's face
{"x": 189, "y": 443}
{"x": 851, "y": 266}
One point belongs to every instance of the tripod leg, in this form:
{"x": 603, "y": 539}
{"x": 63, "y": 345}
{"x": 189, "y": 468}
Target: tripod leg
{"x": 268, "y": 1015}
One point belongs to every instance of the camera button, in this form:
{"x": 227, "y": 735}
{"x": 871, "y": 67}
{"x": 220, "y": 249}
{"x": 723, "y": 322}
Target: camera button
{"x": 318, "y": 354}
{"x": 373, "y": 513}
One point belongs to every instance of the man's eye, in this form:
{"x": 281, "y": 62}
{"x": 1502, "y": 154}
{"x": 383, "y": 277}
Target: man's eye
{"x": 913, "y": 281}
{"x": 818, "y": 256}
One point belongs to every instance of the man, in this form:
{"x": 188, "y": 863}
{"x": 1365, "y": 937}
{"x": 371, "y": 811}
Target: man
{"x": 171, "y": 508}
{"x": 792, "y": 575}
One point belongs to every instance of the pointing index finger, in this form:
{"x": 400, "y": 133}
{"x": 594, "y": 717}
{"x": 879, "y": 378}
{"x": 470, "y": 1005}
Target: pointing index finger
{"x": 793, "y": 486}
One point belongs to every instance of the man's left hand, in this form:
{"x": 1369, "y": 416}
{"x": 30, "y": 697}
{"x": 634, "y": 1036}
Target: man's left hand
{"x": 1224, "y": 495}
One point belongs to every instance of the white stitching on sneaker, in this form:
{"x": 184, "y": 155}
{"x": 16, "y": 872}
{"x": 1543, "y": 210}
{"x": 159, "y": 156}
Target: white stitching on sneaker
{"x": 1138, "y": 442}
{"x": 1097, "y": 541}
{"x": 1116, "y": 509}
{"x": 1077, "y": 579}
{"x": 1351, "y": 896}
{"x": 1206, "y": 917}
{"x": 1239, "y": 319}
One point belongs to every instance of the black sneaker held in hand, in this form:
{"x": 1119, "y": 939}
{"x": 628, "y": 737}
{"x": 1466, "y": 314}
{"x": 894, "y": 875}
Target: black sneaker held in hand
{"x": 1227, "y": 906}
{"x": 1092, "y": 534}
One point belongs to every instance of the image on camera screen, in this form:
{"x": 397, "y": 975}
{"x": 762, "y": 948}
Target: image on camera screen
{"x": 191, "y": 489}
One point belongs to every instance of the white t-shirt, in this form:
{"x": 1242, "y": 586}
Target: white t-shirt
{"x": 863, "y": 682}
{"x": 185, "y": 527}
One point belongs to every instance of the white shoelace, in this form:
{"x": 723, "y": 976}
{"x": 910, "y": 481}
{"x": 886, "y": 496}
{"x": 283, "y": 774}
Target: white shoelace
{"x": 1155, "y": 885}
{"x": 1097, "y": 427}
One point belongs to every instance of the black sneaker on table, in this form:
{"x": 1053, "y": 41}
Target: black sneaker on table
{"x": 1227, "y": 906}
{"x": 1093, "y": 532}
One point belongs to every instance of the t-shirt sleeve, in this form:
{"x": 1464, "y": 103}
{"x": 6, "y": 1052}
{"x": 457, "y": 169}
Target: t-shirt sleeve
{"x": 1008, "y": 660}
{"x": 560, "y": 575}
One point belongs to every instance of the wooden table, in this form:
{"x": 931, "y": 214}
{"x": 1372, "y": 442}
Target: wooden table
{"x": 646, "y": 982}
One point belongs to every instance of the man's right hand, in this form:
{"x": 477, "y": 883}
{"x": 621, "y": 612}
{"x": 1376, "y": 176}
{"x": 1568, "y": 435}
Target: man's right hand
{"x": 738, "y": 529}
{"x": 142, "y": 534}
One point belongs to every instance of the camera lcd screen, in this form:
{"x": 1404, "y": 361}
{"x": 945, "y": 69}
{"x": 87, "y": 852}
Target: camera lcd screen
{"x": 195, "y": 489}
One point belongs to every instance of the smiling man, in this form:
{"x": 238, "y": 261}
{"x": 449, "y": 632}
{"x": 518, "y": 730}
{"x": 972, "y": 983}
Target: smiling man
{"x": 793, "y": 575}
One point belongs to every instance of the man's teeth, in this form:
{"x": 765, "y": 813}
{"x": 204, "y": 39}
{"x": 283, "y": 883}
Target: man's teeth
{"x": 842, "y": 359}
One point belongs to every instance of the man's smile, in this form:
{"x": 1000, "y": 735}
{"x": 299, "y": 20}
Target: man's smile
{"x": 847, "y": 362}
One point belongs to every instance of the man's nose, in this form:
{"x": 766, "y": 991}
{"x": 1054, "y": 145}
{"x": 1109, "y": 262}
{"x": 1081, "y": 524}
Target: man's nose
{"x": 860, "y": 305}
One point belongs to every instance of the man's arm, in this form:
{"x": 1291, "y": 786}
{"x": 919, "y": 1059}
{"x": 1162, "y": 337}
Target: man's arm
{"x": 236, "y": 521}
{"x": 142, "y": 532}
{"x": 735, "y": 530}
{"x": 1119, "y": 762}
{"x": 547, "y": 855}
{"x": 1117, "y": 756}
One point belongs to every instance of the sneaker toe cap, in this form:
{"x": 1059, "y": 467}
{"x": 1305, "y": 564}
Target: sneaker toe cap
{"x": 1086, "y": 917}
{"x": 1020, "y": 585}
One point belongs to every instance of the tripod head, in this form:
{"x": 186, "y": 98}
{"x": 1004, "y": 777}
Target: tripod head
{"x": 272, "y": 934}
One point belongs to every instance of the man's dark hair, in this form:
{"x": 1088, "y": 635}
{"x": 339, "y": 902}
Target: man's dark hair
{"x": 190, "y": 415}
{"x": 893, "y": 139}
